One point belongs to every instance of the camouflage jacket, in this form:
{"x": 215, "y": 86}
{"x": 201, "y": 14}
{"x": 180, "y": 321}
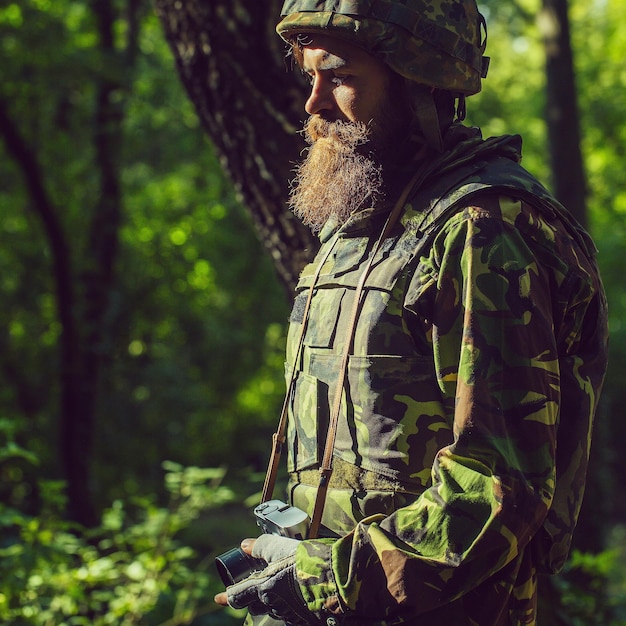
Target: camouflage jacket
{"x": 463, "y": 441}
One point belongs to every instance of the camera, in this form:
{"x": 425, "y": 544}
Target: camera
{"x": 274, "y": 517}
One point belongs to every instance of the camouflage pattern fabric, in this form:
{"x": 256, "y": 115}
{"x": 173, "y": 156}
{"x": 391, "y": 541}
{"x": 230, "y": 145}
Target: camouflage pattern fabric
{"x": 436, "y": 43}
{"x": 464, "y": 436}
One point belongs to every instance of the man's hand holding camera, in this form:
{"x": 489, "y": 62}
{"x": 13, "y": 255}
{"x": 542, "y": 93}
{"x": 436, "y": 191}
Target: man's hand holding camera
{"x": 261, "y": 575}
{"x": 272, "y": 590}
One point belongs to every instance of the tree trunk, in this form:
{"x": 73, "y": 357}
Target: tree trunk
{"x": 231, "y": 63}
{"x": 562, "y": 109}
{"x": 70, "y": 370}
{"x": 97, "y": 277}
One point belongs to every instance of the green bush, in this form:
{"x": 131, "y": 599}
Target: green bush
{"x": 132, "y": 569}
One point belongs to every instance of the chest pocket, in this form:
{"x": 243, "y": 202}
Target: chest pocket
{"x": 328, "y": 323}
{"x": 324, "y": 315}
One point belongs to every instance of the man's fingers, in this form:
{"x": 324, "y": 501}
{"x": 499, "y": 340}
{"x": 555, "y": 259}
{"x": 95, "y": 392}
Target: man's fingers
{"x": 221, "y": 598}
{"x": 247, "y": 545}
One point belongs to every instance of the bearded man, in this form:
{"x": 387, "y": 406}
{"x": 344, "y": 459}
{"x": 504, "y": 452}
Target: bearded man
{"x": 446, "y": 347}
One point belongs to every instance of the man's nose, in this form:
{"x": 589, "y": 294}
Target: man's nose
{"x": 320, "y": 99}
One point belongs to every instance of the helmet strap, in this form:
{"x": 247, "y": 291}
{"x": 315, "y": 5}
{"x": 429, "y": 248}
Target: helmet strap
{"x": 461, "y": 108}
{"x": 427, "y": 116}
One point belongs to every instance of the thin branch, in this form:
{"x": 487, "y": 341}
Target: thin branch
{"x": 27, "y": 163}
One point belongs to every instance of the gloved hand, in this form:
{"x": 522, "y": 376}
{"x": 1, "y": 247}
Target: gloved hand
{"x": 273, "y": 590}
{"x": 272, "y": 548}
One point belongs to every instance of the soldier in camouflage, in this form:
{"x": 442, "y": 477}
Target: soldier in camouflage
{"x": 478, "y": 352}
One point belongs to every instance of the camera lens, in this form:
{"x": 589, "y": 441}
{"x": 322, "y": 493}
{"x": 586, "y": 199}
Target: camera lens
{"x": 235, "y": 565}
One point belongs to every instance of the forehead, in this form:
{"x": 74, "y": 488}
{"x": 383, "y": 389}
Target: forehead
{"x": 320, "y": 52}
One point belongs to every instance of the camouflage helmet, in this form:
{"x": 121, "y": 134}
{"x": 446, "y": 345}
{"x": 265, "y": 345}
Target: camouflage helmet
{"x": 432, "y": 42}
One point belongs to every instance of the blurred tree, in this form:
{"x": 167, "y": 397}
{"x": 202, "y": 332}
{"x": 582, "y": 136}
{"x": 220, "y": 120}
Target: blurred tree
{"x": 564, "y": 140}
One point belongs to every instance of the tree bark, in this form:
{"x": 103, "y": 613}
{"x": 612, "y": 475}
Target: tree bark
{"x": 562, "y": 117}
{"x": 231, "y": 63}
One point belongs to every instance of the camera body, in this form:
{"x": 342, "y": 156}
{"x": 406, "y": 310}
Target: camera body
{"x": 274, "y": 517}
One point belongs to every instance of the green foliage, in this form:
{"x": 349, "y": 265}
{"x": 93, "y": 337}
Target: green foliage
{"x": 133, "y": 569}
{"x": 592, "y": 587}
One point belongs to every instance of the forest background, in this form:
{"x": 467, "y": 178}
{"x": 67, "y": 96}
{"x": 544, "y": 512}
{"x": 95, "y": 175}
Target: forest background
{"x": 143, "y": 319}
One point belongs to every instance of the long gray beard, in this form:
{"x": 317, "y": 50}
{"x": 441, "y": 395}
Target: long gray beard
{"x": 336, "y": 178}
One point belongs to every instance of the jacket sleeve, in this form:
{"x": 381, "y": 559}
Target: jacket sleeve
{"x": 486, "y": 296}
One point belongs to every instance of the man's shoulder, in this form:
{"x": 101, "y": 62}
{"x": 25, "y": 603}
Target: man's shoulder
{"x": 496, "y": 186}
